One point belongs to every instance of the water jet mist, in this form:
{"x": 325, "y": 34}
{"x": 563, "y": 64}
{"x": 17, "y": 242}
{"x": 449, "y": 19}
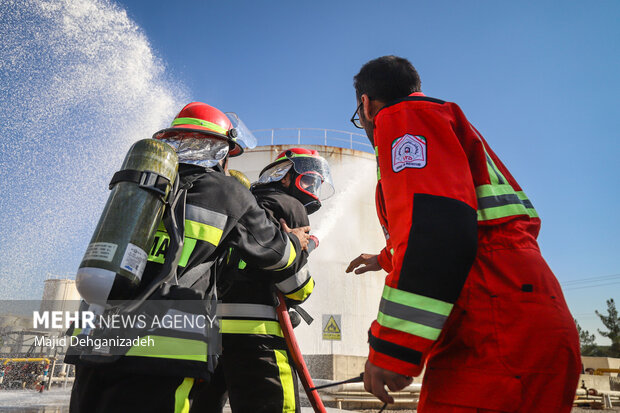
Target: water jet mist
{"x": 79, "y": 83}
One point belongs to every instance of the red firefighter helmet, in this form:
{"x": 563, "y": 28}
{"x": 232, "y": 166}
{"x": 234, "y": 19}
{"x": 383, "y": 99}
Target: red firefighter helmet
{"x": 199, "y": 120}
{"x": 312, "y": 180}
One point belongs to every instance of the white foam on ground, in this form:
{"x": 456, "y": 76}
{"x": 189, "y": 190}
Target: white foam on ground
{"x": 31, "y": 398}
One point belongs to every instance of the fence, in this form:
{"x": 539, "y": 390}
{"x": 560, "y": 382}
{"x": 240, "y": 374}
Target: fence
{"x": 313, "y": 136}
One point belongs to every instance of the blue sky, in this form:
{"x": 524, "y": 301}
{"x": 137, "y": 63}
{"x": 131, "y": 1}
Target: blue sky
{"x": 538, "y": 79}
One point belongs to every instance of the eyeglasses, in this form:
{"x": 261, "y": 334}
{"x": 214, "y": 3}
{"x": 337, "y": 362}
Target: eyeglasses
{"x": 355, "y": 119}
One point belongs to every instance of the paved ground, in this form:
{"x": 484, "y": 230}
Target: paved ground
{"x": 57, "y": 401}
{"x": 575, "y": 410}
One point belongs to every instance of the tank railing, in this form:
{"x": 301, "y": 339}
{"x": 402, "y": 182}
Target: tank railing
{"x": 308, "y": 136}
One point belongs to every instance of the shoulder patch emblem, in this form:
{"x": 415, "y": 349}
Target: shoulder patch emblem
{"x": 408, "y": 151}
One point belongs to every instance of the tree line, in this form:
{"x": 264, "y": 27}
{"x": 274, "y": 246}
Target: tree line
{"x": 611, "y": 321}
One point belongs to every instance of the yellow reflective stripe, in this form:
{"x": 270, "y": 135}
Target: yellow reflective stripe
{"x": 295, "y": 155}
{"x": 495, "y": 176}
{"x": 504, "y": 211}
{"x": 483, "y": 191}
{"x": 181, "y": 396}
{"x": 200, "y": 122}
{"x": 172, "y": 348}
{"x": 194, "y": 231}
{"x": 499, "y": 201}
{"x": 417, "y": 301}
{"x": 188, "y": 247}
{"x": 286, "y": 381}
{"x": 303, "y": 293}
{"x": 409, "y": 327}
{"x": 251, "y": 327}
{"x": 76, "y": 331}
{"x": 291, "y": 257}
{"x": 160, "y": 237}
{"x": 503, "y": 206}
{"x": 528, "y": 204}
{"x": 203, "y": 232}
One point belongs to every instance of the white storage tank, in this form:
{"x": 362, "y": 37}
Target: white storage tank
{"x": 346, "y": 225}
{"x": 59, "y": 294}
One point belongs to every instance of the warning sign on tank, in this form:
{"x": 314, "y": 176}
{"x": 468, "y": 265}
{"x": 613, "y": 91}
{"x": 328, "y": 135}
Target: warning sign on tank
{"x": 331, "y": 327}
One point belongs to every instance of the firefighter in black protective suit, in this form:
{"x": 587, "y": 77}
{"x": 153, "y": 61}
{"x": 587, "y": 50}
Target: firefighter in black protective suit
{"x": 220, "y": 214}
{"x": 254, "y": 369}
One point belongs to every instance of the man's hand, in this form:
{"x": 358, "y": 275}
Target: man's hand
{"x": 370, "y": 262}
{"x": 375, "y": 379}
{"x": 301, "y": 233}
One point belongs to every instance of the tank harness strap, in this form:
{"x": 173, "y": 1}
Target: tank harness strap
{"x": 174, "y": 222}
{"x": 303, "y": 314}
{"x": 148, "y": 180}
{"x": 189, "y": 278}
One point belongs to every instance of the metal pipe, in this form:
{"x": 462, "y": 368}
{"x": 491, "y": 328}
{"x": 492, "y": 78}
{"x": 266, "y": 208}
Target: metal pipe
{"x": 358, "y": 387}
{"x": 595, "y": 392}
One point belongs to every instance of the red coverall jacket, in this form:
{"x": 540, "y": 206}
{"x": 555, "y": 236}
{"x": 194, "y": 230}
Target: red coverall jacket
{"x": 468, "y": 292}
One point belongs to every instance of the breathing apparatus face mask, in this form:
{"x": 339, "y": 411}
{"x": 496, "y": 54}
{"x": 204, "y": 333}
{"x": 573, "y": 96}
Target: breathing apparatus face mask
{"x": 196, "y": 149}
{"x": 311, "y": 179}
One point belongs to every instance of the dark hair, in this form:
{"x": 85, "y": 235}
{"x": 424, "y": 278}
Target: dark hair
{"x": 387, "y": 78}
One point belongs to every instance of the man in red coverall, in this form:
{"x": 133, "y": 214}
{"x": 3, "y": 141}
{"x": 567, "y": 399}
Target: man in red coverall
{"x": 468, "y": 293}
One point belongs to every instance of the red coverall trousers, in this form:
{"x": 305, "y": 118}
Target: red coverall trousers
{"x": 485, "y": 346}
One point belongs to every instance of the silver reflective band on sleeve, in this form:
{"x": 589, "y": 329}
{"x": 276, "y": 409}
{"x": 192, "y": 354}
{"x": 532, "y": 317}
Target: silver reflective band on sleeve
{"x": 385, "y": 232}
{"x": 204, "y": 216}
{"x": 501, "y": 200}
{"x": 294, "y": 281}
{"x": 246, "y": 310}
{"x": 285, "y": 257}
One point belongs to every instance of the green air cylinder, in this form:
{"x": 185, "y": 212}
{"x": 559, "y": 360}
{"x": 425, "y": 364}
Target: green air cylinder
{"x": 115, "y": 259}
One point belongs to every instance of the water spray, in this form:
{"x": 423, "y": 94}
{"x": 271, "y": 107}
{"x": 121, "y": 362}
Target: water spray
{"x": 79, "y": 83}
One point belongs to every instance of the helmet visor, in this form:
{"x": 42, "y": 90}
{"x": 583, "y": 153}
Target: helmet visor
{"x": 316, "y": 169}
{"x": 195, "y": 148}
{"x": 244, "y": 135}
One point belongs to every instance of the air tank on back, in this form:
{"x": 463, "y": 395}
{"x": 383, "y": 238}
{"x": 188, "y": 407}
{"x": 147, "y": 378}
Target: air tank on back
{"x": 116, "y": 256}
